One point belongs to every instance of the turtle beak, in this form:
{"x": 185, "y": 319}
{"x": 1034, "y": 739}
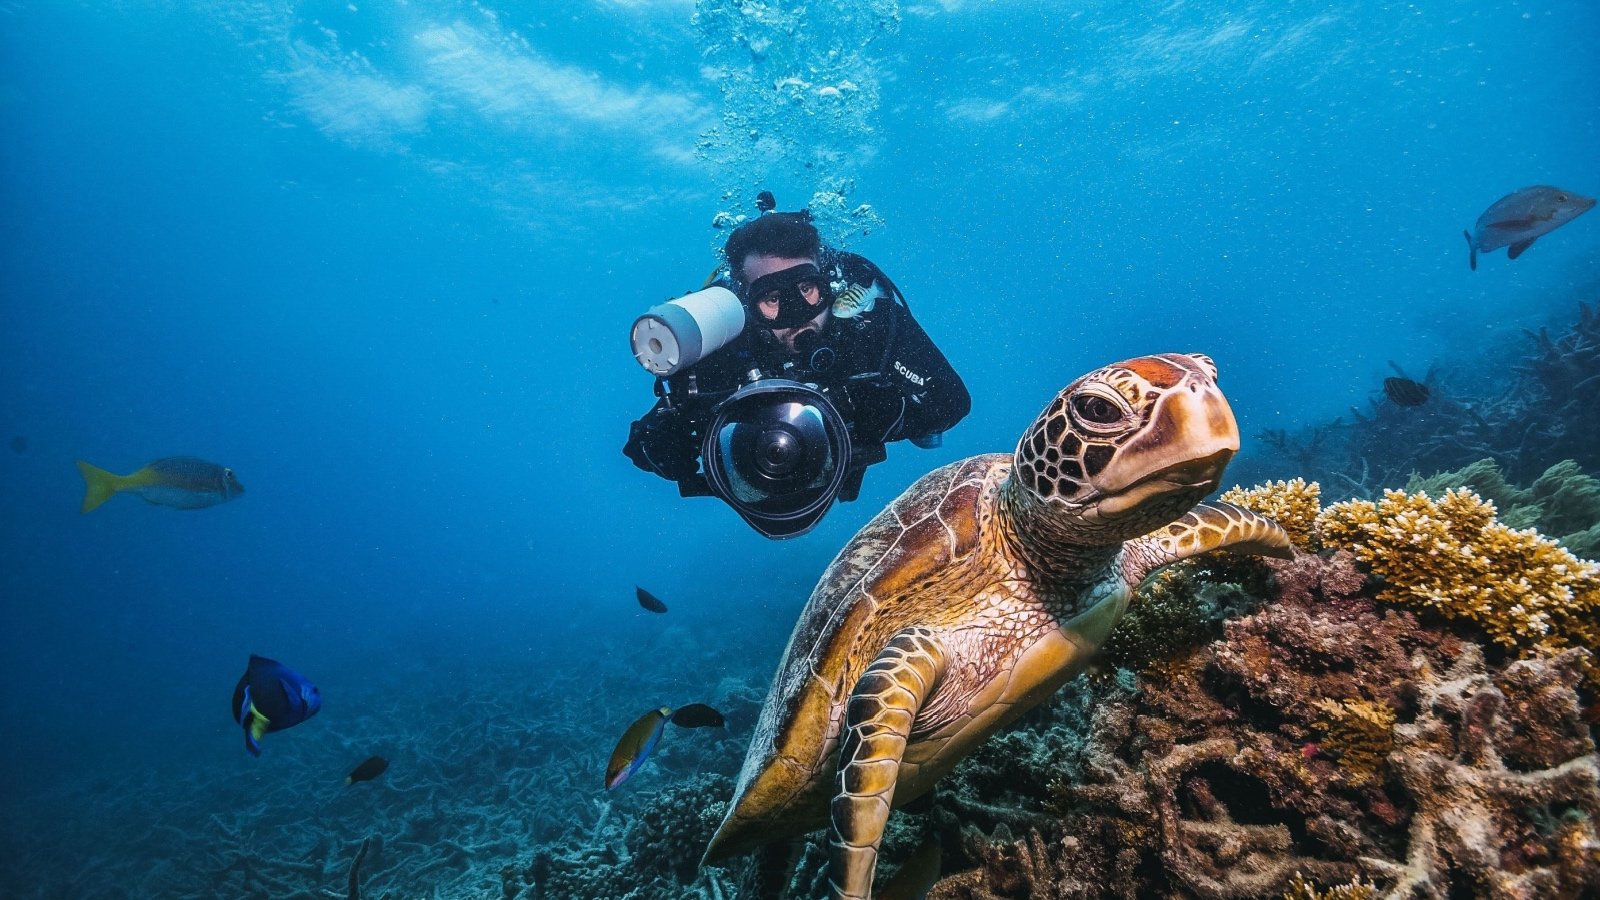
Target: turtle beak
{"x": 1192, "y": 437}
{"x": 1195, "y": 478}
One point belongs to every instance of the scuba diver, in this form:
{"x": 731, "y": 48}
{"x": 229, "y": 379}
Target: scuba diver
{"x": 781, "y": 382}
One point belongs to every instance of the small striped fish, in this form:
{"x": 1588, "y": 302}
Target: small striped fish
{"x": 857, "y": 299}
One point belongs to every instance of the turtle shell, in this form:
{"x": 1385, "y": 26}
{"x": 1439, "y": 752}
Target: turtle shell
{"x": 896, "y": 572}
{"x": 1009, "y": 564}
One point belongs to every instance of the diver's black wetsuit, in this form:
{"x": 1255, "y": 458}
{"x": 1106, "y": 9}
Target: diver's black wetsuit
{"x": 884, "y": 374}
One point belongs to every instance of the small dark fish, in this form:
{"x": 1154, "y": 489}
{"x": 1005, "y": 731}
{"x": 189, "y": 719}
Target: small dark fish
{"x": 648, "y": 600}
{"x": 368, "y": 770}
{"x": 181, "y": 482}
{"x": 19, "y": 444}
{"x": 271, "y": 697}
{"x": 1405, "y": 392}
{"x": 697, "y": 715}
{"x": 1517, "y": 220}
{"x": 635, "y": 746}
{"x": 766, "y": 202}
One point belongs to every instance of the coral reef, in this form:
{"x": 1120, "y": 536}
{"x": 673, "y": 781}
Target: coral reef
{"x": 1260, "y": 766}
{"x": 1453, "y": 558}
{"x": 658, "y": 854}
{"x": 1543, "y": 408}
{"x": 1480, "y": 827}
{"x": 1301, "y": 889}
{"x": 494, "y": 788}
{"x": 1563, "y": 502}
{"x": 1257, "y": 729}
{"x": 1359, "y": 734}
{"x": 1175, "y": 612}
{"x": 1293, "y": 504}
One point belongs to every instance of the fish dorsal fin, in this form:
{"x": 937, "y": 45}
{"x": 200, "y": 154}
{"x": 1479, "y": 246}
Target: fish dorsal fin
{"x": 1517, "y": 248}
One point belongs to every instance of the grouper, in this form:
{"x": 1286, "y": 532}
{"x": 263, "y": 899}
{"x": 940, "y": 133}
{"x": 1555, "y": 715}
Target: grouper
{"x": 1517, "y": 220}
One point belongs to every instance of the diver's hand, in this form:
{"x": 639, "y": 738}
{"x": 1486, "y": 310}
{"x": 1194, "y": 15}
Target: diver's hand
{"x": 879, "y": 409}
{"x": 663, "y": 442}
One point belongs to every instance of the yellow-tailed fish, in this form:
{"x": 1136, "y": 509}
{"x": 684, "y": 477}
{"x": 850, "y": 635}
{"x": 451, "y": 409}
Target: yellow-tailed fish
{"x": 635, "y": 746}
{"x": 181, "y": 482}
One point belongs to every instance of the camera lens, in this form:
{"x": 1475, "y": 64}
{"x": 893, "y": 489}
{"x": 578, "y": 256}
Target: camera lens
{"x": 779, "y": 452}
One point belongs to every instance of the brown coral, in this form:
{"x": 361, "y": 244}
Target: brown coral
{"x": 1220, "y": 782}
{"x": 1480, "y": 828}
{"x": 1172, "y": 615}
{"x": 1359, "y": 734}
{"x": 1523, "y": 590}
{"x": 1301, "y": 889}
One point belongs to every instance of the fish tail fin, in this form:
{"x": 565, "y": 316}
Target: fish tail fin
{"x": 99, "y": 486}
{"x": 255, "y": 725}
{"x": 1471, "y": 248}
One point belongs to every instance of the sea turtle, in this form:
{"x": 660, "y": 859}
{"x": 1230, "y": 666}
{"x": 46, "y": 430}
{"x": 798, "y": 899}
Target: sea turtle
{"x": 985, "y": 587}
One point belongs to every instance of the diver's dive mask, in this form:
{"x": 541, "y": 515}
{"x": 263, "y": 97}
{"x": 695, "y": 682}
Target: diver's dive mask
{"x": 777, "y": 452}
{"x": 789, "y": 297}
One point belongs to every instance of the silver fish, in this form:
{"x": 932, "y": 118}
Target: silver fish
{"x": 1517, "y": 220}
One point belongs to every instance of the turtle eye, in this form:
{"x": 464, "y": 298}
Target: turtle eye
{"x": 1097, "y": 411}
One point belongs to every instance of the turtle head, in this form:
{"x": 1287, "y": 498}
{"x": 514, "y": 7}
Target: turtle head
{"x": 1127, "y": 448}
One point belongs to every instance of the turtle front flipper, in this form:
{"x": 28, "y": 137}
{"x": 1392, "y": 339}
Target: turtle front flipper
{"x": 1207, "y": 527}
{"x": 877, "y": 724}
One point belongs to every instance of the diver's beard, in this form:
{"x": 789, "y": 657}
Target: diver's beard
{"x": 788, "y": 336}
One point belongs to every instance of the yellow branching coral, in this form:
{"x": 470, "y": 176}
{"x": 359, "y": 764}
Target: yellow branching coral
{"x": 1452, "y": 556}
{"x": 1563, "y": 503}
{"x": 1301, "y": 889}
{"x": 1359, "y": 734}
{"x": 1293, "y": 504}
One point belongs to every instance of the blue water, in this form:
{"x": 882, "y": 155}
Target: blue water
{"x": 382, "y": 262}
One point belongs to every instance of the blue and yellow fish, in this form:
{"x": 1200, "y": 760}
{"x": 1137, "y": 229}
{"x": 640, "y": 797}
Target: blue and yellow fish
{"x": 271, "y": 697}
{"x": 643, "y": 735}
{"x": 181, "y": 482}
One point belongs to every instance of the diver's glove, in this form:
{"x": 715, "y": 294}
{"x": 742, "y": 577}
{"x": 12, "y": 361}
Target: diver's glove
{"x": 879, "y": 408}
{"x": 663, "y": 442}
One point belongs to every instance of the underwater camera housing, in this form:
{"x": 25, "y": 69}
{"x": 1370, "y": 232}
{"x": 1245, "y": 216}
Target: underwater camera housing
{"x": 674, "y": 335}
{"x": 777, "y": 451}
